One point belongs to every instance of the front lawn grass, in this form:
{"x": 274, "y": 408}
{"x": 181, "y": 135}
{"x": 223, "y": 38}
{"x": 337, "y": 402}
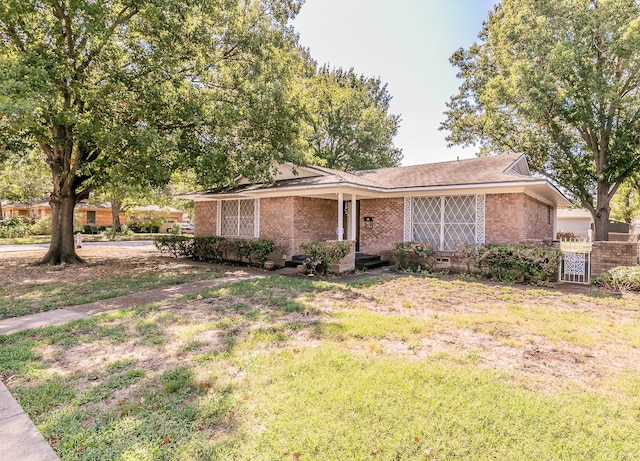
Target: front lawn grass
{"x": 33, "y": 296}
{"x": 290, "y": 369}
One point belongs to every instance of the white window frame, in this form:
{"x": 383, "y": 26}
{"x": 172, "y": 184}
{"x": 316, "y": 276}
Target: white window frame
{"x": 256, "y": 218}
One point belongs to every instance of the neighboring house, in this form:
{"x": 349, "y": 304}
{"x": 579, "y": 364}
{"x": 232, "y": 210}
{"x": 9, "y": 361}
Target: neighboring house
{"x": 577, "y": 221}
{"x": 98, "y": 215}
{"x": 489, "y": 199}
{"x": 10, "y": 209}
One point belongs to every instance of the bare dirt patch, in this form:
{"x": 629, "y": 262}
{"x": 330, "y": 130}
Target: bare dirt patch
{"x": 101, "y": 262}
{"x": 544, "y": 339}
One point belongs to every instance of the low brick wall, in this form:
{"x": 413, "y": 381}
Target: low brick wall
{"x": 607, "y": 255}
{"x": 616, "y": 237}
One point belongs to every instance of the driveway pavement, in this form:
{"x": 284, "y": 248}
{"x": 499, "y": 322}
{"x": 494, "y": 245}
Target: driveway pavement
{"x": 31, "y": 247}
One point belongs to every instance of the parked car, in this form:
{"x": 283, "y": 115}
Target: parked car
{"x": 187, "y": 228}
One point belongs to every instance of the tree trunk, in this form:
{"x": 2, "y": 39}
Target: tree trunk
{"x": 116, "y": 206}
{"x": 62, "y": 248}
{"x": 601, "y": 213}
{"x": 1, "y": 213}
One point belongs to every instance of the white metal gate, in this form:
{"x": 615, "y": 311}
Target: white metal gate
{"x": 575, "y": 265}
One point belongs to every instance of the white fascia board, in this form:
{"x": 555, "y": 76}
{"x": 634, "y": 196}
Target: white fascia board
{"x": 517, "y": 186}
{"x": 365, "y": 192}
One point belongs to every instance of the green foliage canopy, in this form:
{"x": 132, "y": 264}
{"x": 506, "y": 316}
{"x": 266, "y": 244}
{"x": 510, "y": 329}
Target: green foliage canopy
{"x": 350, "y": 124}
{"x": 145, "y": 85}
{"x": 558, "y": 80}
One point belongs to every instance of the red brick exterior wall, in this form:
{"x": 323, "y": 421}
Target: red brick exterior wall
{"x": 276, "y": 223}
{"x": 504, "y": 218}
{"x": 538, "y": 221}
{"x": 516, "y": 218}
{"x": 205, "y": 216}
{"x": 387, "y": 226}
{"x": 103, "y": 218}
{"x": 290, "y": 221}
{"x": 314, "y": 220}
{"x": 607, "y": 255}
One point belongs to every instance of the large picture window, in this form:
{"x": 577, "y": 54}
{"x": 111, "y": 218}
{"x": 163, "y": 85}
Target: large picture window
{"x": 445, "y": 222}
{"x": 238, "y": 218}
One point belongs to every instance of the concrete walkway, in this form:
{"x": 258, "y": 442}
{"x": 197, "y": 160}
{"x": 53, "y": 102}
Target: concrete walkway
{"x": 19, "y": 438}
{"x": 83, "y": 311}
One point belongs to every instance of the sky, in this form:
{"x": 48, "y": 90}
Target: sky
{"x": 407, "y": 43}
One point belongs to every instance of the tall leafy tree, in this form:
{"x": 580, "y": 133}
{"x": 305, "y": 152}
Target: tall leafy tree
{"x": 24, "y": 178}
{"x": 144, "y": 82}
{"x": 349, "y": 120}
{"x": 558, "y": 80}
{"x": 625, "y": 205}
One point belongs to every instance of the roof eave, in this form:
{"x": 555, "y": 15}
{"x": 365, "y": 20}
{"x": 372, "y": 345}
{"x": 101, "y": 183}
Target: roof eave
{"x": 559, "y": 198}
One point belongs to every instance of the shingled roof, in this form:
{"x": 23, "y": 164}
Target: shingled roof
{"x": 483, "y": 172}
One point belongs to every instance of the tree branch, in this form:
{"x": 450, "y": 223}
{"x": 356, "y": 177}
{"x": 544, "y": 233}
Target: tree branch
{"x": 59, "y": 13}
{"x": 123, "y": 16}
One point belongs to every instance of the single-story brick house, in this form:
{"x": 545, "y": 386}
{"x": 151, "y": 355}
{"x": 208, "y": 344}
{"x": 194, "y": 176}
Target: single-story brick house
{"x": 488, "y": 199}
{"x": 98, "y": 214}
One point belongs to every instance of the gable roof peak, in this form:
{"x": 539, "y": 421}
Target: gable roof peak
{"x": 519, "y": 167}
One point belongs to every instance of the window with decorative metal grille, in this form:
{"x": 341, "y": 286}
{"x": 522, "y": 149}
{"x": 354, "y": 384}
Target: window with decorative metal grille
{"x": 238, "y": 218}
{"x": 445, "y": 222}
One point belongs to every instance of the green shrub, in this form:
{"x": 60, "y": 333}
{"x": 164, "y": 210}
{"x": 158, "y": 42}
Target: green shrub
{"x": 178, "y": 246}
{"x": 517, "y": 263}
{"x": 320, "y": 254}
{"x": 208, "y": 248}
{"x": 148, "y": 223}
{"x": 124, "y": 230}
{"x": 215, "y": 249}
{"x": 407, "y": 256}
{"x": 621, "y": 278}
{"x": 174, "y": 229}
{"x": 261, "y": 249}
{"x": 42, "y": 226}
{"x": 14, "y": 227}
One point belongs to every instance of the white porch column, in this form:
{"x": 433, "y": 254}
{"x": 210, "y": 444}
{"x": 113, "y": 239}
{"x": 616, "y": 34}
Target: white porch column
{"x": 340, "y": 229}
{"x": 354, "y": 222}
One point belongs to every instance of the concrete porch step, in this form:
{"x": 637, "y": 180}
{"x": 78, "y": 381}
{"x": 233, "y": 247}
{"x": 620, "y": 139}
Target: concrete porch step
{"x": 367, "y": 262}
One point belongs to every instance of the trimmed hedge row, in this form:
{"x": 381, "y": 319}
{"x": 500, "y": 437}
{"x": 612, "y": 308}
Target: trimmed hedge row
{"x": 517, "y": 263}
{"x": 215, "y": 249}
{"x": 408, "y": 256}
{"x": 504, "y": 262}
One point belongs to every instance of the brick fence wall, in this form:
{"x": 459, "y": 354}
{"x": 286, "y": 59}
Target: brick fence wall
{"x": 607, "y": 255}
